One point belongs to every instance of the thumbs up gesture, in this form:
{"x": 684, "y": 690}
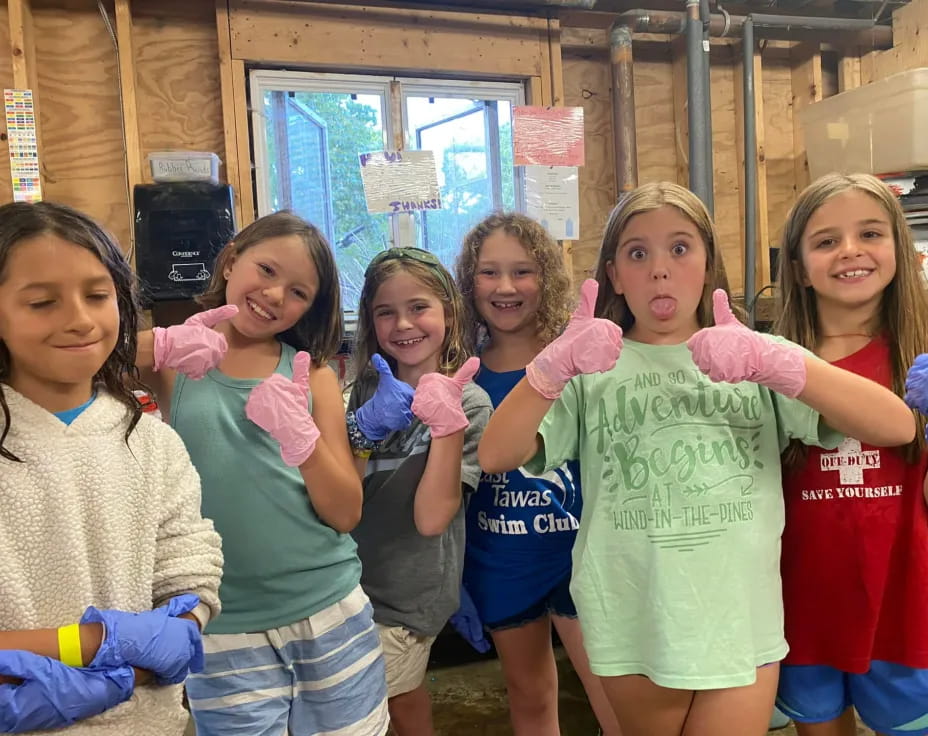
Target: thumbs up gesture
{"x": 438, "y": 400}
{"x": 193, "y": 348}
{"x": 732, "y": 353}
{"x": 279, "y": 405}
{"x": 389, "y": 409}
{"x": 588, "y": 345}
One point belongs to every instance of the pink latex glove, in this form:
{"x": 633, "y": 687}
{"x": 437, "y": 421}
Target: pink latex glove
{"x": 732, "y": 353}
{"x": 279, "y": 406}
{"x": 438, "y": 400}
{"x": 193, "y": 348}
{"x": 588, "y": 345}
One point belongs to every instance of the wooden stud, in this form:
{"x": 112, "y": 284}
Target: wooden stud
{"x": 230, "y": 133}
{"x": 246, "y": 192}
{"x": 130, "y": 116}
{"x": 556, "y": 75}
{"x": 849, "y": 71}
{"x": 680, "y": 119}
{"x": 806, "y": 78}
{"x": 762, "y": 244}
{"x": 533, "y": 91}
{"x": 25, "y": 69}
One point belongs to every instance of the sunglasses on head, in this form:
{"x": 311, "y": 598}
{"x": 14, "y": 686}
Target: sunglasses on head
{"x": 411, "y": 254}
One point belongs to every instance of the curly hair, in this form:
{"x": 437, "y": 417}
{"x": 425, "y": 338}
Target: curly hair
{"x": 319, "y": 330}
{"x": 437, "y": 280}
{"x": 903, "y": 311}
{"x": 646, "y": 198}
{"x": 556, "y": 300}
{"x": 21, "y": 221}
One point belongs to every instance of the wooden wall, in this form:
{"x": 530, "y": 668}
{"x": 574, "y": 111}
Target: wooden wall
{"x": 184, "y": 75}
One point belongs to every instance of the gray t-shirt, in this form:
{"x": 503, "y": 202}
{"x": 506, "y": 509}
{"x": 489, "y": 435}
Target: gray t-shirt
{"x": 413, "y": 581}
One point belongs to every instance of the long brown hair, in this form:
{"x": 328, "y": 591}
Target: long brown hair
{"x": 555, "y": 302}
{"x": 646, "y": 198}
{"x": 319, "y": 330}
{"x": 21, "y": 221}
{"x": 437, "y": 280}
{"x": 903, "y": 313}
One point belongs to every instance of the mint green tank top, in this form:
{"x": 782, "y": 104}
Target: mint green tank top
{"x": 282, "y": 563}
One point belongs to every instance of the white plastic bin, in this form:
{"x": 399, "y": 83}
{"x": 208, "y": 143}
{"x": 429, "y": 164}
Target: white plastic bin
{"x": 184, "y": 166}
{"x": 879, "y": 128}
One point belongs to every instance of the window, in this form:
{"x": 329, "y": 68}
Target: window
{"x": 309, "y": 129}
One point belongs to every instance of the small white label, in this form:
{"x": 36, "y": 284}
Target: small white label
{"x": 199, "y": 167}
{"x": 705, "y": 45}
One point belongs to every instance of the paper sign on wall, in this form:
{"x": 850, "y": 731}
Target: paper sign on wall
{"x": 23, "y": 145}
{"x": 548, "y": 136}
{"x": 400, "y": 181}
{"x": 552, "y": 196}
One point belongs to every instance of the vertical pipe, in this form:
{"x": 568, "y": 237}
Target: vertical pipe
{"x": 696, "y": 100}
{"x": 750, "y": 169}
{"x": 704, "y": 17}
{"x": 623, "y": 110}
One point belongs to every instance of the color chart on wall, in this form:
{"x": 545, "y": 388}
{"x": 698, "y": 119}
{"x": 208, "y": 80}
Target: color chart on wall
{"x": 22, "y": 140}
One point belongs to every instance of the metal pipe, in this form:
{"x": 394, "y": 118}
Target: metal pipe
{"x": 709, "y": 173}
{"x": 772, "y": 26}
{"x": 750, "y": 168}
{"x": 624, "y": 137}
{"x": 696, "y": 101}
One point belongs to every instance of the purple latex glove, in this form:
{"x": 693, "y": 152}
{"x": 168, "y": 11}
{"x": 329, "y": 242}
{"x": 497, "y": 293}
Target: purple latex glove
{"x": 157, "y": 640}
{"x": 588, "y": 345}
{"x": 193, "y": 348}
{"x": 438, "y": 400}
{"x": 916, "y": 384}
{"x": 732, "y": 353}
{"x": 389, "y": 409}
{"x": 279, "y": 406}
{"x": 53, "y": 695}
{"x": 466, "y": 621}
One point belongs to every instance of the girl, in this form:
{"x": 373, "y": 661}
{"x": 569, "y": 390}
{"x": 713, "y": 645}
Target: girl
{"x": 295, "y": 649}
{"x": 100, "y": 504}
{"x": 856, "y": 537}
{"x": 516, "y": 290}
{"x": 411, "y": 535}
{"x": 676, "y": 575}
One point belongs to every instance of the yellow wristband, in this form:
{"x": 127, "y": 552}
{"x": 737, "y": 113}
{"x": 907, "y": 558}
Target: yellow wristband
{"x": 363, "y": 454}
{"x": 69, "y": 645}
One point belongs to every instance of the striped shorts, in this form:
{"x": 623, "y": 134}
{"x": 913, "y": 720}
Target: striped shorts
{"x": 322, "y": 675}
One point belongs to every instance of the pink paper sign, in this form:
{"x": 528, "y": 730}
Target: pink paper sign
{"x": 548, "y": 136}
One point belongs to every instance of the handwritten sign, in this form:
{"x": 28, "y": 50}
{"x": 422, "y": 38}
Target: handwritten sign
{"x": 547, "y": 136}
{"x": 400, "y": 181}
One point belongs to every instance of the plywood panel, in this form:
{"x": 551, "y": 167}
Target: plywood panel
{"x": 177, "y": 68}
{"x": 654, "y": 113}
{"x": 587, "y": 83}
{"x": 346, "y": 37}
{"x": 83, "y": 153}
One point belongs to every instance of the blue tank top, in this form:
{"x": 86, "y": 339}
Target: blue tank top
{"x": 282, "y": 563}
{"x": 520, "y": 527}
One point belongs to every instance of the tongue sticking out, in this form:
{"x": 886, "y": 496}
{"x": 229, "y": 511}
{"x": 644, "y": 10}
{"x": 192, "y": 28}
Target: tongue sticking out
{"x": 663, "y": 307}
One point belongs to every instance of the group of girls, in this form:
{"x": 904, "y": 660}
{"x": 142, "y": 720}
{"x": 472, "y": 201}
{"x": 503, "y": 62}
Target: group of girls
{"x": 624, "y": 473}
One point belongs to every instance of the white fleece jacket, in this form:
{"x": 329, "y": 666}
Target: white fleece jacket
{"x": 87, "y": 519}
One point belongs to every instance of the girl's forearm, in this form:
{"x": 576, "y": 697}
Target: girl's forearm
{"x": 511, "y": 437}
{"x": 438, "y": 495}
{"x": 857, "y": 406}
{"x": 44, "y": 642}
{"x": 334, "y": 489}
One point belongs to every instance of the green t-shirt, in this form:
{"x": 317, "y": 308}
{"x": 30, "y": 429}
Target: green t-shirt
{"x": 677, "y": 562}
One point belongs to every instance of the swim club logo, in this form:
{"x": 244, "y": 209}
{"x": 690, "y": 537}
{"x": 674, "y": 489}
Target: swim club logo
{"x": 547, "y": 505}
{"x": 850, "y": 460}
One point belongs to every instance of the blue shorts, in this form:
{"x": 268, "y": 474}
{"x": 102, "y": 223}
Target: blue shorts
{"x": 890, "y": 698}
{"x": 556, "y": 602}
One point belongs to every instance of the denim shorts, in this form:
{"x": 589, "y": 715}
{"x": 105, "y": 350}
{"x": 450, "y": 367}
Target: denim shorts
{"x": 556, "y": 602}
{"x": 890, "y": 698}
